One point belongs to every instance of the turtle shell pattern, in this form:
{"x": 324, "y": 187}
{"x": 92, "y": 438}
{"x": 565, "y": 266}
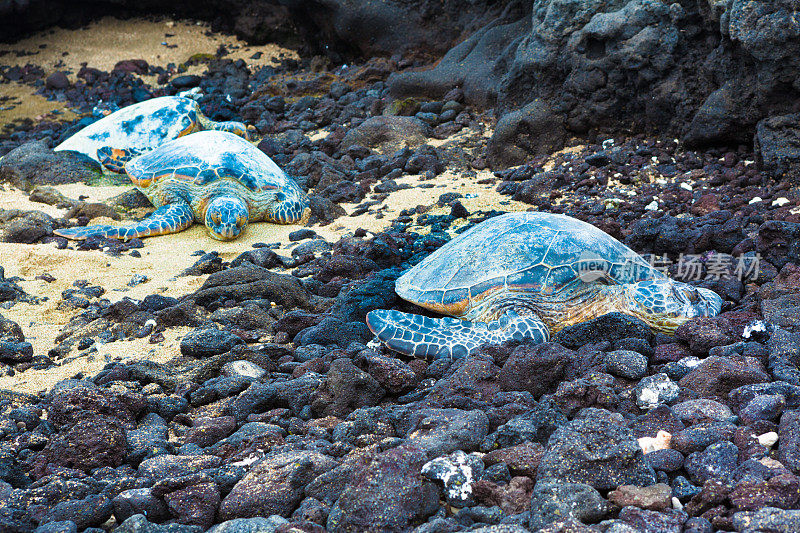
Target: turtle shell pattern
{"x": 141, "y": 126}
{"x": 527, "y": 252}
{"x": 199, "y": 167}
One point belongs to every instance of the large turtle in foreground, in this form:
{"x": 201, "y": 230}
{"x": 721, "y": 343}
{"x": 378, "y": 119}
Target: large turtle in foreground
{"x": 145, "y": 126}
{"x": 528, "y": 275}
{"x": 212, "y": 177}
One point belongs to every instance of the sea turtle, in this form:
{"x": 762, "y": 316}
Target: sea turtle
{"x": 212, "y": 177}
{"x": 145, "y": 126}
{"x": 527, "y": 275}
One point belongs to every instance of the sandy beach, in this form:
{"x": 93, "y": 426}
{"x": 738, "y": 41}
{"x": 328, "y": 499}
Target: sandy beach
{"x": 164, "y": 258}
{"x": 102, "y": 44}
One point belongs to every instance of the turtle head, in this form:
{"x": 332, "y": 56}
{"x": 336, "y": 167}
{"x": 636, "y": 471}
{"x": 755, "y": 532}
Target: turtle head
{"x": 237, "y": 128}
{"x": 666, "y": 304}
{"x": 226, "y": 217}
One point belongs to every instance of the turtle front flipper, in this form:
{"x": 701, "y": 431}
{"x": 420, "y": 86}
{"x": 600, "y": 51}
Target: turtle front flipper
{"x": 289, "y": 208}
{"x": 421, "y": 336}
{"x": 170, "y": 218}
{"x": 114, "y": 159}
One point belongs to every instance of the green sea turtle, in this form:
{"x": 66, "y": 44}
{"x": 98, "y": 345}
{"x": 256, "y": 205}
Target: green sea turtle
{"x": 527, "y": 275}
{"x": 212, "y": 177}
{"x": 145, "y": 126}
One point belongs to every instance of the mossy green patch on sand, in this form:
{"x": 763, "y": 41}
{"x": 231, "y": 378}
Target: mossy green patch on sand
{"x": 196, "y": 59}
{"x": 107, "y": 179}
{"x": 407, "y": 107}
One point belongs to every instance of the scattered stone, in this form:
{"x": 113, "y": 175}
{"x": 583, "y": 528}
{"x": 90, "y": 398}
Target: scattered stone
{"x": 776, "y": 145}
{"x": 387, "y": 134}
{"x": 717, "y": 376}
{"x": 609, "y": 327}
{"x": 457, "y": 471}
{"x": 208, "y": 342}
{"x": 656, "y": 497}
{"x": 388, "y": 494}
{"x": 595, "y": 448}
{"x": 35, "y": 164}
{"x": 274, "y": 486}
{"x": 717, "y": 461}
{"x": 626, "y": 364}
{"x": 553, "y": 501}
{"x": 767, "y": 519}
{"x": 653, "y": 391}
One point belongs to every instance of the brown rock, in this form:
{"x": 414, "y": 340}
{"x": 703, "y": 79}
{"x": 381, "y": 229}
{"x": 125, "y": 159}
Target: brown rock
{"x": 701, "y": 334}
{"x": 10, "y": 330}
{"x": 536, "y": 369}
{"x": 275, "y": 485}
{"x": 513, "y": 498}
{"x": 532, "y": 130}
{"x": 162, "y": 466}
{"x": 782, "y": 491}
{"x": 475, "y": 378}
{"x": 522, "y": 459}
{"x": 208, "y": 431}
{"x": 57, "y": 80}
{"x": 295, "y": 321}
{"x": 136, "y": 66}
{"x": 347, "y": 266}
{"x": 25, "y": 227}
{"x": 714, "y": 494}
{"x": 655, "y": 497}
{"x": 708, "y": 203}
{"x": 787, "y": 282}
{"x": 673, "y": 351}
{"x": 387, "y": 133}
{"x": 323, "y": 210}
{"x": 717, "y": 376}
{"x": 195, "y": 505}
{"x": 68, "y": 405}
{"x": 92, "y": 210}
{"x": 92, "y": 442}
{"x": 247, "y": 282}
{"x": 49, "y": 196}
{"x": 789, "y": 440}
{"x": 387, "y": 495}
{"x": 346, "y": 387}
{"x": 393, "y": 374}
{"x": 778, "y": 242}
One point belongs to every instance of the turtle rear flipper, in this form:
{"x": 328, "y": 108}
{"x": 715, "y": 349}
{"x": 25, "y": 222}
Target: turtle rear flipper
{"x": 421, "y": 336}
{"x": 170, "y": 218}
{"x": 114, "y": 159}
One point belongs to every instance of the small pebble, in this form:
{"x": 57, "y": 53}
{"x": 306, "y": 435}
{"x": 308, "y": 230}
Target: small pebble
{"x": 768, "y": 439}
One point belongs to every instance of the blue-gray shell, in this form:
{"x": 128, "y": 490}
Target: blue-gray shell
{"x": 207, "y": 157}
{"x": 141, "y": 126}
{"x": 531, "y": 252}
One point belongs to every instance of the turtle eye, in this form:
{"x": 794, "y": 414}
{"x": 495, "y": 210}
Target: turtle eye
{"x": 689, "y": 293}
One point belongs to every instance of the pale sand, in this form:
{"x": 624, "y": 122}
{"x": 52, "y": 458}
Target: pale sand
{"x": 164, "y": 258}
{"x": 104, "y": 43}
{"x": 23, "y": 103}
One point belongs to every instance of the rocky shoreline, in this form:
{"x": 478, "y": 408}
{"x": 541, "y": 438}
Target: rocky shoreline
{"x": 248, "y": 394}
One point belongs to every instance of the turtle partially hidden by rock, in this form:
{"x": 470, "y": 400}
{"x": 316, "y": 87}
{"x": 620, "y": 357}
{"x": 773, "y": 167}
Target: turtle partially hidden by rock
{"x": 212, "y": 177}
{"x": 146, "y": 126}
{"x": 527, "y": 275}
